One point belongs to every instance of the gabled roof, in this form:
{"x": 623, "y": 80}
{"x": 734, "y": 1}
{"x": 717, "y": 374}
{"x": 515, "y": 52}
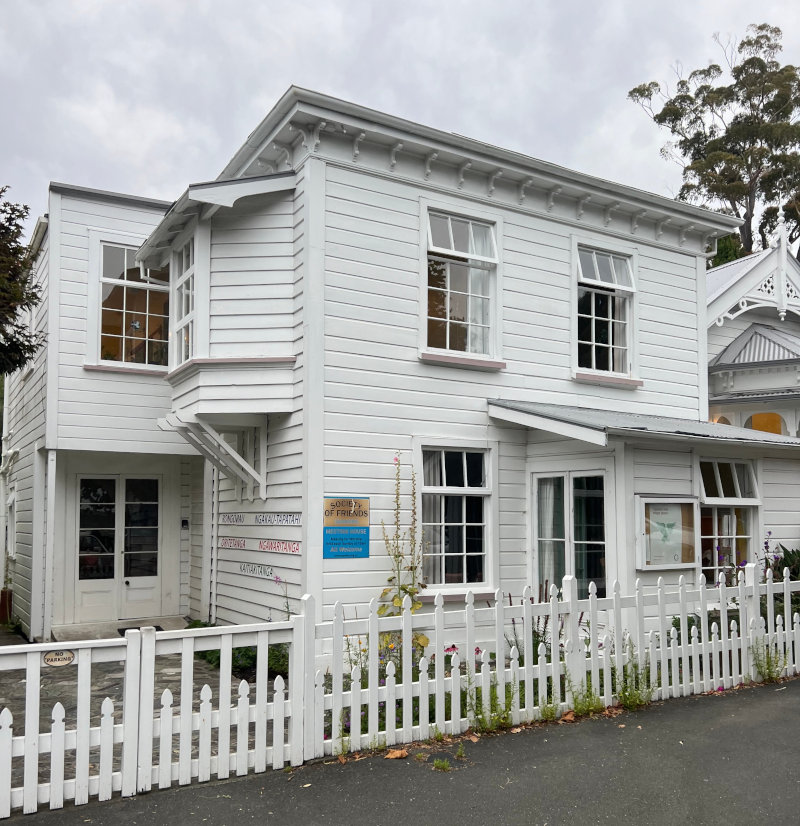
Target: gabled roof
{"x": 767, "y": 279}
{"x": 759, "y": 343}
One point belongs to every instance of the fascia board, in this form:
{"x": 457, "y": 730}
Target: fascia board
{"x": 297, "y": 101}
{"x": 590, "y": 435}
{"x": 737, "y": 290}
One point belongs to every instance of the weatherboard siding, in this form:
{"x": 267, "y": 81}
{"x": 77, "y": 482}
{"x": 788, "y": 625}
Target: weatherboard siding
{"x": 780, "y": 493}
{"x": 25, "y": 395}
{"x": 102, "y": 410}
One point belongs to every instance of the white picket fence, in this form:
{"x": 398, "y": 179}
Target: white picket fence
{"x": 356, "y": 683}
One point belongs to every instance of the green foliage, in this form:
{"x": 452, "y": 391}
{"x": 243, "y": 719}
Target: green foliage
{"x": 18, "y": 292}
{"x": 549, "y": 712}
{"x": 499, "y": 716}
{"x": 404, "y": 548}
{"x": 691, "y": 622}
{"x": 584, "y": 699}
{"x": 769, "y": 660}
{"x": 441, "y": 764}
{"x": 460, "y": 753}
{"x": 729, "y": 248}
{"x": 245, "y": 658}
{"x": 437, "y": 736}
{"x": 632, "y": 686}
{"x": 736, "y": 132}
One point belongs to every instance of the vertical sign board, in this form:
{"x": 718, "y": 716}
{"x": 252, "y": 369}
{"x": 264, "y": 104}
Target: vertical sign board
{"x": 345, "y": 528}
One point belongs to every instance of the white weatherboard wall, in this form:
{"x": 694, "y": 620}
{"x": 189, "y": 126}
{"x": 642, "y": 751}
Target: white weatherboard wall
{"x": 108, "y": 410}
{"x": 25, "y": 400}
{"x": 380, "y": 398}
{"x": 780, "y": 492}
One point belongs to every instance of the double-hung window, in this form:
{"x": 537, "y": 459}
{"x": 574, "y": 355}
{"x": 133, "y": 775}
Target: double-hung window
{"x": 462, "y": 266}
{"x": 727, "y": 515}
{"x": 455, "y": 509}
{"x": 570, "y": 531}
{"x": 134, "y": 316}
{"x": 183, "y": 262}
{"x": 604, "y": 312}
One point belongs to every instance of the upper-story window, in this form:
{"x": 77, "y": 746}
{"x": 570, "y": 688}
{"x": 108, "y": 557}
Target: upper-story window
{"x": 135, "y": 309}
{"x": 605, "y": 297}
{"x": 462, "y": 265}
{"x": 184, "y": 303}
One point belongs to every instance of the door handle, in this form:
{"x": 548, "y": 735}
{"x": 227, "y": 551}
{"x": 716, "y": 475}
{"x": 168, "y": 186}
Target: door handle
{"x": 127, "y": 582}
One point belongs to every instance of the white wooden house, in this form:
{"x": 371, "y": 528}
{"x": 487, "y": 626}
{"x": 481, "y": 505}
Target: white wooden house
{"x": 352, "y": 287}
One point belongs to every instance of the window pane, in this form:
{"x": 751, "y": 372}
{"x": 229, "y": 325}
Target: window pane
{"x": 586, "y": 260}
{"x": 602, "y": 305}
{"x": 458, "y": 306}
{"x": 460, "y": 235}
{"x": 96, "y": 566}
{"x": 479, "y": 281}
{"x": 431, "y": 467}
{"x": 475, "y": 568}
{"x": 98, "y": 490}
{"x": 110, "y": 348}
{"x": 453, "y": 539}
{"x": 459, "y": 278}
{"x": 454, "y": 469}
{"x": 550, "y": 496}
{"x": 726, "y": 479}
{"x": 111, "y": 322}
{"x": 135, "y": 351}
{"x": 709, "y": 480}
{"x": 437, "y": 334}
{"x": 158, "y": 302}
{"x": 440, "y": 232}
{"x": 437, "y": 274}
{"x": 113, "y": 297}
{"x": 431, "y": 508}
{"x": 475, "y": 477}
{"x": 478, "y": 311}
{"x": 478, "y": 339}
{"x": 144, "y": 564}
{"x": 585, "y": 356}
{"x": 482, "y": 241}
{"x": 605, "y": 272}
{"x": 159, "y": 276}
{"x": 474, "y": 509}
{"x": 141, "y": 490}
{"x": 453, "y": 569}
{"x": 453, "y": 509}
{"x": 745, "y": 476}
{"x": 552, "y": 565}
{"x": 458, "y": 337}
{"x": 622, "y": 271}
{"x": 113, "y": 261}
{"x": 590, "y": 566}
{"x": 437, "y": 304}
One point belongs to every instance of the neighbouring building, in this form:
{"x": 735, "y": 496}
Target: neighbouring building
{"x": 212, "y": 428}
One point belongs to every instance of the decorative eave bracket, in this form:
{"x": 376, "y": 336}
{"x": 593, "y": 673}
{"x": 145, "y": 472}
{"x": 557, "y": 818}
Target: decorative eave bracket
{"x": 210, "y": 444}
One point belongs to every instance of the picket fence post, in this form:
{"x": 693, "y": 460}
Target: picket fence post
{"x": 303, "y": 673}
{"x": 130, "y": 711}
{"x": 574, "y": 661}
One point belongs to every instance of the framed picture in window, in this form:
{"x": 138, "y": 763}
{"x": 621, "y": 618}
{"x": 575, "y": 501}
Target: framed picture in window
{"x": 667, "y": 534}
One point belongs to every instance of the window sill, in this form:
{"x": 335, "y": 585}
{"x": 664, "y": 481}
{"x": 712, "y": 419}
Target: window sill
{"x": 672, "y": 566}
{"x": 429, "y": 595}
{"x": 609, "y": 380}
{"x": 158, "y": 372}
{"x": 470, "y": 362}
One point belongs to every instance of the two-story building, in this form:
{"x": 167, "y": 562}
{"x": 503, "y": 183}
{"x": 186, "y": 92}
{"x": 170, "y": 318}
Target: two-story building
{"x": 352, "y": 287}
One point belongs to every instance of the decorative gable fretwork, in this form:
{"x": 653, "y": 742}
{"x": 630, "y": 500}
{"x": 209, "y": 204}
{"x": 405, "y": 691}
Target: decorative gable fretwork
{"x": 775, "y": 291}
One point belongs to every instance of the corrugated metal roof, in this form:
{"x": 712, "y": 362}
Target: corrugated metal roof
{"x": 758, "y": 344}
{"x": 636, "y": 423}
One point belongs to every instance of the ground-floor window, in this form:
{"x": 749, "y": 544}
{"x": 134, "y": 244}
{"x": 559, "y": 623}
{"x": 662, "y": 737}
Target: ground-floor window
{"x": 118, "y": 527}
{"x": 455, "y": 499}
{"x": 570, "y": 531}
{"x": 725, "y": 539}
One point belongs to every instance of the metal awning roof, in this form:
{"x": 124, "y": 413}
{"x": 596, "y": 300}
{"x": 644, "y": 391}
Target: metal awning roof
{"x": 595, "y": 426}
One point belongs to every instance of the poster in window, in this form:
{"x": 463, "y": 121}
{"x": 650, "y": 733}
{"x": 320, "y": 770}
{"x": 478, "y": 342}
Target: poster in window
{"x": 669, "y": 533}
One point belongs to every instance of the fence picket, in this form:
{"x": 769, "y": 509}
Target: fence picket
{"x": 455, "y": 694}
{"x": 685, "y": 668}
{"x": 438, "y": 662}
{"x": 674, "y": 680}
{"x": 641, "y": 642}
{"x": 724, "y": 631}
{"x": 57, "y": 758}
{"x": 697, "y": 685}
{"x": 486, "y": 685}
{"x": 355, "y": 709}
{"x": 165, "y": 741}
{"x": 105, "y": 780}
{"x": 6, "y": 738}
{"x": 787, "y": 622}
{"x": 424, "y": 694}
{"x": 278, "y": 722}
{"x": 715, "y": 663}
{"x": 608, "y": 696}
{"x": 594, "y": 639}
{"x": 514, "y": 674}
{"x": 770, "y": 604}
{"x": 337, "y": 672}
{"x": 185, "y": 718}
{"x": 780, "y": 642}
{"x": 130, "y": 710}
{"x": 527, "y": 652}
{"x": 30, "y": 792}
{"x": 82, "y": 725}
{"x": 499, "y": 646}
{"x": 704, "y": 635}
{"x": 262, "y": 674}
{"x": 242, "y": 728}
{"x": 735, "y": 652}
{"x": 319, "y": 713}
{"x": 391, "y": 710}
{"x": 470, "y": 653}
{"x": 224, "y": 706}
{"x": 651, "y": 651}
{"x": 204, "y": 735}
{"x": 372, "y": 671}
{"x": 796, "y": 642}
{"x": 662, "y": 640}
{"x": 406, "y": 652}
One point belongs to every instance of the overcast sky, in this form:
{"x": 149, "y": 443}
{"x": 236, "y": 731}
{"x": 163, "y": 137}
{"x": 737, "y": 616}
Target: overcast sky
{"x": 147, "y": 96}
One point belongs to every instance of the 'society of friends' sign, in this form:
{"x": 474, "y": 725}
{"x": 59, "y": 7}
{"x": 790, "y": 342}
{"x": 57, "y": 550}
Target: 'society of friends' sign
{"x": 345, "y": 528}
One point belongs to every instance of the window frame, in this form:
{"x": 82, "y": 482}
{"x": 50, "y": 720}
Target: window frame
{"x": 603, "y": 244}
{"x": 97, "y": 239}
{"x": 609, "y": 528}
{"x": 641, "y": 532}
{"x": 189, "y": 319}
{"x": 728, "y": 501}
{"x": 492, "y": 359}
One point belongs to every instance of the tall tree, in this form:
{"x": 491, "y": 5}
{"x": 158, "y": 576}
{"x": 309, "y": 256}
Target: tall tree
{"x": 736, "y": 132}
{"x": 18, "y": 292}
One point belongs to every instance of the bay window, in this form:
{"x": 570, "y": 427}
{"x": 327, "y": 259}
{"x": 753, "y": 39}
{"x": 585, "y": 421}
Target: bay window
{"x": 183, "y": 261}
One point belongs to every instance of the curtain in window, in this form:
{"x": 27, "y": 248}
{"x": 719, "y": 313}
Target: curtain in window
{"x": 551, "y": 532}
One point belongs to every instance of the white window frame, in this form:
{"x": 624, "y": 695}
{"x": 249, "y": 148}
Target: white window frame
{"x": 602, "y": 244}
{"x": 183, "y": 285}
{"x": 642, "y": 563}
{"x": 456, "y": 209}
{"x": 97, "y": 238}
{"x": 609, "y": 527}
{"x": 491, "y": 508}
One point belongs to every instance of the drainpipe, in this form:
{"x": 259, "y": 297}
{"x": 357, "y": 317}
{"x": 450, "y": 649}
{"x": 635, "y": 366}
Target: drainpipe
{"x": 5, "y": 466}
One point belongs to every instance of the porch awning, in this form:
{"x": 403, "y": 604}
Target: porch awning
{"x": 595, "y": 426}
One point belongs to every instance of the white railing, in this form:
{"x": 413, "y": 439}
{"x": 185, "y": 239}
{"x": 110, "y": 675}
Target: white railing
{"x": 368, "y": 682}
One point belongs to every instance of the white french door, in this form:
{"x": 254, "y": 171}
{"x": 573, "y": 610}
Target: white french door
{"x": 119, "y": 548}
{"x": 570, "y": 530}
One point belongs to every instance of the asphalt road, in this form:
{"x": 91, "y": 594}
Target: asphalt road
{"x": 728, "y": 759}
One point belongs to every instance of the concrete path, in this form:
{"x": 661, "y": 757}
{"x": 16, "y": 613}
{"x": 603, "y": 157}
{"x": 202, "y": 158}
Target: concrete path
{"x": 730, "y": 758}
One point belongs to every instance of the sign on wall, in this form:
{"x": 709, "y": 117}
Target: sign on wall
{"x": 345, "y": 528}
